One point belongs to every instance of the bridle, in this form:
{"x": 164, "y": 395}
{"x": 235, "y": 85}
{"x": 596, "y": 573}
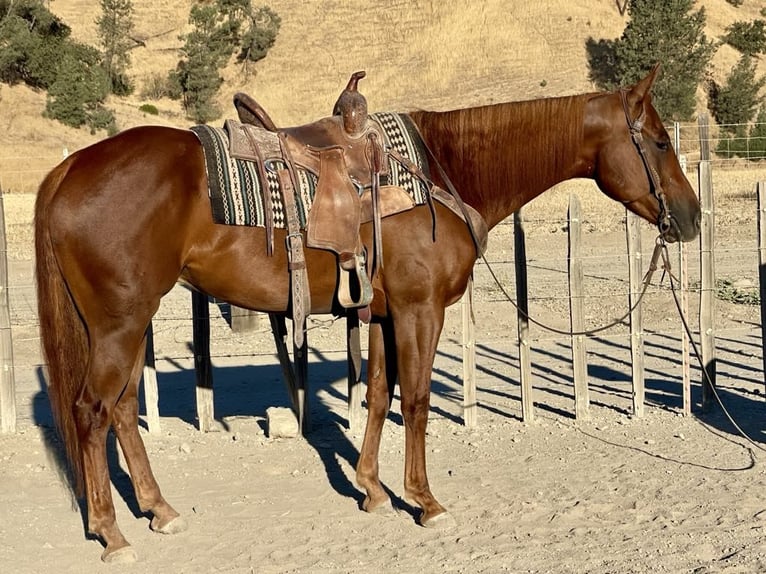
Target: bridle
{"x": 665, "y": 219}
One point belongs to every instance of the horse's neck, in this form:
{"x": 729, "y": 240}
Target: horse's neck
{"x": 501, "y": 157}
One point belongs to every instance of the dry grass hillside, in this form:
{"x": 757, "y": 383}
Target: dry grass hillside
{"x": 418, "y": 54}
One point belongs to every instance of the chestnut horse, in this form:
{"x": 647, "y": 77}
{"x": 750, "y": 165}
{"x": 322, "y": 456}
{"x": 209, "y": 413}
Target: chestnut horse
{"x": 118, "y": 223}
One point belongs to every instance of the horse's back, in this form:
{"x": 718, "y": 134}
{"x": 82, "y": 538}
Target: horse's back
{"x": 121, "y": 180}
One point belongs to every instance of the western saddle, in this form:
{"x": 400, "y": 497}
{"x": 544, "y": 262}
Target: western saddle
{"x": 345, "y": 152}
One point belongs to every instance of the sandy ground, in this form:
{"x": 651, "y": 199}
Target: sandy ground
{"x": 614, "y": 494}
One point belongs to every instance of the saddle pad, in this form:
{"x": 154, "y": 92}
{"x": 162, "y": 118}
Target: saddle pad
{"x": 236, "y": 190}
{"x": 401, "y": 134}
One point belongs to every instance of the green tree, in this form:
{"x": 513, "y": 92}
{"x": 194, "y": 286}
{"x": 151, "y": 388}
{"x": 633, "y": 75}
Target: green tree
{"x": 114, "y": 28}
{"x": 75, "y": 97}
{"x": 664, "y": 31}
{"x": 261, "y": 34}
{"x": 36, "y": 49}
{"x": 219, "y": 29}
{"x": 747, "y": 37}
{"x": 736, "y": 102}
{"x": 31, "y": 41}
{"x": 207, "y": 48}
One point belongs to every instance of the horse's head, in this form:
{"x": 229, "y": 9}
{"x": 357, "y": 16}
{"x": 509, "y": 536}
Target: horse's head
{"x": 634, "y": 160}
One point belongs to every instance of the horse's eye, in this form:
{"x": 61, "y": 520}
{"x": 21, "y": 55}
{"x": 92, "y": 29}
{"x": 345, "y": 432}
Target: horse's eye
{"x": 663, "y": 145}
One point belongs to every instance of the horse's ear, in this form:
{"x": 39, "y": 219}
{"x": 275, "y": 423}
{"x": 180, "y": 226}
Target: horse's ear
{"x": 641, "y": 89}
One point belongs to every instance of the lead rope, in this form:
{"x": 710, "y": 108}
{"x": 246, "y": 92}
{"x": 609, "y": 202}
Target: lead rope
{"x": 645, "y": 284}
{"x": 706, "y": 376}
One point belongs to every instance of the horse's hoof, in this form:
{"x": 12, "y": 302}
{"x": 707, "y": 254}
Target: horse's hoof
{"x": 176, "y": 525}
{"x": 442, "y": 521}
{"x": 124, "y": 555}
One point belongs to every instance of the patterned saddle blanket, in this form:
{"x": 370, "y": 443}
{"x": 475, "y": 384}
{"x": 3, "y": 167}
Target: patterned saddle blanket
{"x": 236, "y": 186}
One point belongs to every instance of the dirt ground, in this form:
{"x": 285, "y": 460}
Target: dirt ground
{"x": 613, "y": 494}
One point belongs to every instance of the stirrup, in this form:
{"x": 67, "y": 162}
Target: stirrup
{"x": 362, "y": 286}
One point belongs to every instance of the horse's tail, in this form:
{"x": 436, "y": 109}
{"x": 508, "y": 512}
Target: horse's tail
{"x": 64, "y": 338}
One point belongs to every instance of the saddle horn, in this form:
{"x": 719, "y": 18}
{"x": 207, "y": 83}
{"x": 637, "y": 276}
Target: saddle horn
{"x": 351, "y": 106}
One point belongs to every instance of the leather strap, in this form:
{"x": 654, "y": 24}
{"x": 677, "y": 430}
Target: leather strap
{"x": 296, "y": 260}
{"x": 268, "y": 209}
{"x": 375, "y": 157}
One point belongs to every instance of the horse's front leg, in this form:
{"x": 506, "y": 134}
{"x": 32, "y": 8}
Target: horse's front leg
{"x": 417, "y": 331}
{"x": 381, "y": 378}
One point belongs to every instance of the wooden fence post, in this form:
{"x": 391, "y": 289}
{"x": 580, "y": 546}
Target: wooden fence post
{"x": 354, "y": 360}
{"x": 244, "y": 320}
{"x": 576, "y": 311}
{"x": 202, "y": 364}
{"x": 7, "y": 375}
{"x": 151, "y": 395}
{"x": 686, "y": 377}
{"x": 470, "y": 404}
{"x": 635, "y": 265}
{"x": 707, "y": 266}
{"x": 761, "y": 194}
{"x": 522, "y": 298}
{"x": 683, "y": 280}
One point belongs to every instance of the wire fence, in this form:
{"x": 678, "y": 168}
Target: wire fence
{"x": 731, "y": 145}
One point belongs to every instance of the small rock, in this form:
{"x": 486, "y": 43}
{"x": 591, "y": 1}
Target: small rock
{"x": 185, "y": 448}
{"x": 281, "y": 422}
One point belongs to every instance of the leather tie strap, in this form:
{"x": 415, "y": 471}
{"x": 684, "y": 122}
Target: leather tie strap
{"x": 296, "y": 260}
{"x": 268, "y": 208}
{"x": 375, "y": 153}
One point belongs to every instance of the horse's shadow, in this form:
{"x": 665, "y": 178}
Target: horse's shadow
{"x": 239, "y": 391}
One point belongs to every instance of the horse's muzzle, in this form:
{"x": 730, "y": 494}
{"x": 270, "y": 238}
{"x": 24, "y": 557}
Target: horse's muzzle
{"x": 674, "y": 228}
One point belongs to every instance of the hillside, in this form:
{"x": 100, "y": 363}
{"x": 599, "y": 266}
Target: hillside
{"x": 418, "y": 54}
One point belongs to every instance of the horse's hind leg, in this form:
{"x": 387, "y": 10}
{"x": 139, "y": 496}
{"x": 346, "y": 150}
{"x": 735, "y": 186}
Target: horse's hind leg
{"x": 165, "y": 519}
{"x": 112, "y": 362}
{"x": 381, "y": 377}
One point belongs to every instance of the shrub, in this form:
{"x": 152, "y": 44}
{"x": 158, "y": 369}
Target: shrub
{"x": 149, "y": 109}
{"x": 156, "y": 86}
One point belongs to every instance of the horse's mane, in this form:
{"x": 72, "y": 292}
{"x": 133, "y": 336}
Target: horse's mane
{"x": 517, "y": 149}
